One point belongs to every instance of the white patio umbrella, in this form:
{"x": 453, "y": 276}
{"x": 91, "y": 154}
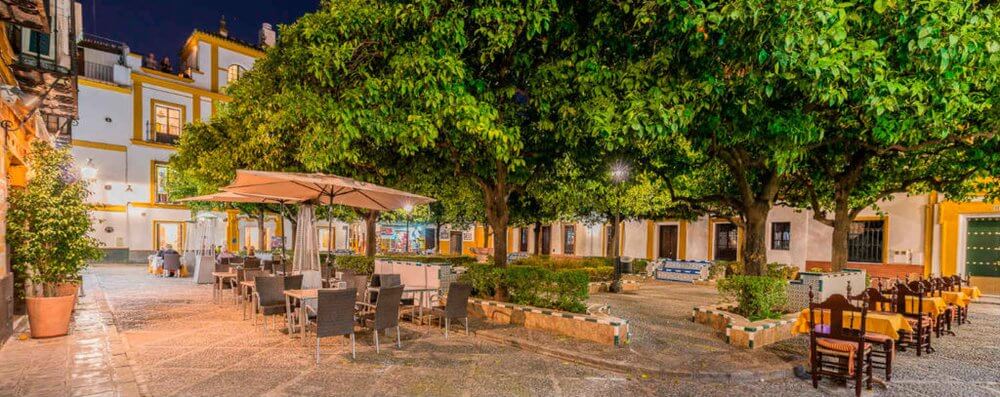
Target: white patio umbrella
{"x": 323, "y": 189}
{"x": 306, "y": 258}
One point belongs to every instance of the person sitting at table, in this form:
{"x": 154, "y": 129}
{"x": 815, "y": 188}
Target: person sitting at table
{"x": 250, "y": 252}
{"x": 224, "y": 254}
{"x": 168, "y": 249}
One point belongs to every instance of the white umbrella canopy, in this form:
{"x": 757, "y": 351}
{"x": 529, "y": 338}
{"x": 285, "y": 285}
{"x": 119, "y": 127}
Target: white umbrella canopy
{"x": 323, "y": 189}
{"x": 234, "y": 197}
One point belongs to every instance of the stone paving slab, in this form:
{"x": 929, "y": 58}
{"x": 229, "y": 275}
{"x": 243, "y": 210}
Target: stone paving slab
{"x": 164, "y": 337}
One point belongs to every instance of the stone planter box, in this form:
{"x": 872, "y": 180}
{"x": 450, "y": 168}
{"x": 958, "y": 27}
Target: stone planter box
{"x": 602, "y": 286}
{"x": 741, "y": 332}
{"x": 601, "y": 329}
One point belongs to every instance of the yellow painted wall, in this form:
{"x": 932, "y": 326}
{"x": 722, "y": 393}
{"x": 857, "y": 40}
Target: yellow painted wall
{"x": 949, "y": 219}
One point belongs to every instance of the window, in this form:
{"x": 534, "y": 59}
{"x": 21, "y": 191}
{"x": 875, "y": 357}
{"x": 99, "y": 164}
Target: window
{"x": 781, "y": 235}
{"x": 160, "y": 195}
{"x": 569, "y": 240}
{"x": 167, "y": 122}
{"x": 864, "y": 241}
{"x": 168, "y": 233}
{"x": 324, "y": 238}
{"x": 39, "y": 43}
{"x": 234, "y": 72}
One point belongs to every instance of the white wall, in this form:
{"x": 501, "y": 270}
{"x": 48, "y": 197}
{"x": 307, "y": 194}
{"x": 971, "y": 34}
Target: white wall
{"x": 96, "y": 105}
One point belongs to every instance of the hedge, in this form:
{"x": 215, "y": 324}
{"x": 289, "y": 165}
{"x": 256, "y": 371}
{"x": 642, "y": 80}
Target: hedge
{"x": 532, "y": 285}
{"x": 360, "y": 264}
{"x": 596, "y": 268}
{"x": 759, "y": 297}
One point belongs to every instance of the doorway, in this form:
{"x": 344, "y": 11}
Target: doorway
{"x": 455, "y": 246}
{"x": 569, "y": 240}
{"x": 546, "y": 240}
{"x": 726, "y": 241}
{"x": 168, "y": 233}
{"x": 668, "y": 242}
{"x": 523, "y": 245}
{"x": 982, "y": 247}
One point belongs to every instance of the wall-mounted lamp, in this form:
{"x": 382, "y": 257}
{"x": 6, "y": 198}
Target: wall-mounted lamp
{"x": 88, "y": 171}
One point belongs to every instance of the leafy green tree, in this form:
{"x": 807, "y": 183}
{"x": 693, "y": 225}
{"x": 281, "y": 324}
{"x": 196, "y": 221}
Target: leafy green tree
{"x": 454, "y": 85}
{"x": 48, "y": 222}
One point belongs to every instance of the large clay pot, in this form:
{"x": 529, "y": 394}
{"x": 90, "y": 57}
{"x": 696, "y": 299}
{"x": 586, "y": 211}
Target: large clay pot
{"x": 63, "y": 289}
{"x": 49, "y": 316}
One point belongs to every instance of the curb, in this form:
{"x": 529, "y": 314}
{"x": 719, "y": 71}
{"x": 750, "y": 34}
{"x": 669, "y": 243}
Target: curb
{"x": 627, "y": 368}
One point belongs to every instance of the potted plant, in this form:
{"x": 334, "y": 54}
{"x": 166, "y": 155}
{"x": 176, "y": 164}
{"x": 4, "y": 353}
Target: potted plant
{"x": 47, "y": 226}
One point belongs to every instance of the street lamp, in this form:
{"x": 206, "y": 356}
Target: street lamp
{"x": 619, "y": 174}
{"x": 409, "y": 209}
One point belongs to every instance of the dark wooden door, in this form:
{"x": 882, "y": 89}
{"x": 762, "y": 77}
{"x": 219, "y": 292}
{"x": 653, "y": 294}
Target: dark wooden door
{"x": 726, "y": 240}
{"x": 456, "y": 243}
{"x": 668, "y": 242}
{"x": 546, "y": 240}
{"x": 430, "y": 238}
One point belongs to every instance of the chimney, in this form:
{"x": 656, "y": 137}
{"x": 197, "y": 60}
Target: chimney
{"x": 223, "y": 31}
{"x": 266, "y": 36}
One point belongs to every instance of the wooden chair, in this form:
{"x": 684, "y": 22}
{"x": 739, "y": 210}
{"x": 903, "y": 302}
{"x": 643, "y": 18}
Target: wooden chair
{"x": 954, "y": 283}
{"x": 334, "y": 316}
{"x": 836, "y": 350}
{"x": 941, "y": 319}
{"x": 940, "y": 285}
{"x": 881, "y": 357}
{"x": 921, "y": 323}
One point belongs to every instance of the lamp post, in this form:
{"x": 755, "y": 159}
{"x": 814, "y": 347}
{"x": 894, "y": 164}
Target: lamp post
{"x": 619, "y": 174}
{"x": 409, "y": 209}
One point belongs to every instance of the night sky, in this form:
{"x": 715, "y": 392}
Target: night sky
{"x": 162, "y": 26}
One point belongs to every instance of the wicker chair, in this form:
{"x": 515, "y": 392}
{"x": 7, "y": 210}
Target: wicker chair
{"x": 268, "y": 293}
{"x": 335, "y": 316}
{"x": 251, "y": 262}
{"x": 384, "y": 314}
{"x": 293, "y": 282}
{"x": 455, "y": 307}
{"x": 171, "y": 265}
{"x": 837, "y": 351}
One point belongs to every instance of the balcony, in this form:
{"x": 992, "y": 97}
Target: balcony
{"x": 99, "y": 72}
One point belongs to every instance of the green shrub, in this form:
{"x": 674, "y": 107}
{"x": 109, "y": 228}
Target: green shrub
{"x": 733, "y": 268}
{"x": 759, "y": 297}
{"x": 638, "y": 266}
{"x": 782, "y": 271}
{"x": 596, "y": 274}
{"x": 360, "y": 264}
{"x": 598, "y": 268}
{"x": 532, "y": 285}
{"x": 717, "y": 270}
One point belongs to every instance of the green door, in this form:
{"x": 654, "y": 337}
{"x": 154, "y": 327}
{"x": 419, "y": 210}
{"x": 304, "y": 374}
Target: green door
{"x": 982, "y": 247}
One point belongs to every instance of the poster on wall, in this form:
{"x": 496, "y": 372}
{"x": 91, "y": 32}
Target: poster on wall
{"x": 277, "y": 241}
{"x": 469, "y": 234}
{"x": 444, "y": 232}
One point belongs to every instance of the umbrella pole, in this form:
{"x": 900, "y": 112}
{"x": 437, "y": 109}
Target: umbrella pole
{"x": 282, "y": 220}
{"x": 329, "y": 231}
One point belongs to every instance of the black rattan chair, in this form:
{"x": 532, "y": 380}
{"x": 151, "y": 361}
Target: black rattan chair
{"x": 270, "y": 297}
{"x": 335, "y": 316}
{"x": 455, "y": 307}
{"x": 293, "y": 282}
{"x": 384, "y": 314}
{"x": 171, "y": 265}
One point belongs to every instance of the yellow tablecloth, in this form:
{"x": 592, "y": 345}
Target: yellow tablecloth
{"x": 972, "y": 292}
{"x": 934, "y": 306}
{"x": 888, "y": 324}
{"x": 955, "y": 298}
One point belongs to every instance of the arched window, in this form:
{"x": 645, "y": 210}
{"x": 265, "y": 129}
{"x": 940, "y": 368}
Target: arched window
{"x": 235, "y": 72}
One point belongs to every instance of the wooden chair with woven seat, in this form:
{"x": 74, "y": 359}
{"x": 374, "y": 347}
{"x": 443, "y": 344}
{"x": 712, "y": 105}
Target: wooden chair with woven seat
{"x": 835, "y": 349}
{"x": 921, "y": 323}
{"x": 884, "y": 347}
{"x": 954, "y": 284}
{"x": 941, "y": 319}
{"x": 940, "y": 286}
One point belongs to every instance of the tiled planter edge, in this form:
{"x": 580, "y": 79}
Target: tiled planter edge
{"x": 601, "y": 329}
{"x": 739, "y": 331}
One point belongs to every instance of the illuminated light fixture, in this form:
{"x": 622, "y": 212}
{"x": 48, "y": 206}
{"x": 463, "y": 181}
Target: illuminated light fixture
{"x": 88, "y": 171}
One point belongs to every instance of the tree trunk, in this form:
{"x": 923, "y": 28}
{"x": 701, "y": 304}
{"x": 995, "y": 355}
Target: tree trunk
{"x": 486, "y": 235}
{"x": 612, "y": 241}
{"x": 755, "y": 240}
{"x": 371, "y": 235}
{"x": 437, "y": 235}
{"x": 842, "y": 219}
{"x": 261, "y": 231}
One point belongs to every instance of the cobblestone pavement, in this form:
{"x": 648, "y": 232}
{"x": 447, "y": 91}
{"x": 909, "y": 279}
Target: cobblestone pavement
{"x": 137, "y": 334}
{"x": 91, "y": 361}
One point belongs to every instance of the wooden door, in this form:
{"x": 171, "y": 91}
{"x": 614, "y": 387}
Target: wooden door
{"x": 668, "y": 242}
{"x": 569, "y": 240}
{"x": 524, "y": 240}
{"x": 546, "y": 240}
{"x": 456, "y": 243}
{"x": 726, "y": 240}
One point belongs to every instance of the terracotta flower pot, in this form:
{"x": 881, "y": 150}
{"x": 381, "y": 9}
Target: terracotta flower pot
{"x": 63, "y": 289}
{"x": 49, "y": 316}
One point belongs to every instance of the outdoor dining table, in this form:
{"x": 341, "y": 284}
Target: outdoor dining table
{"x": 412, "y": 291}
{"x": 888, "y": 324}
{"x": 955, "y": 298}
{"x": 972, "y": 292}
{"x": 933, "y": 305}
{"x": 220, "y": 278}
